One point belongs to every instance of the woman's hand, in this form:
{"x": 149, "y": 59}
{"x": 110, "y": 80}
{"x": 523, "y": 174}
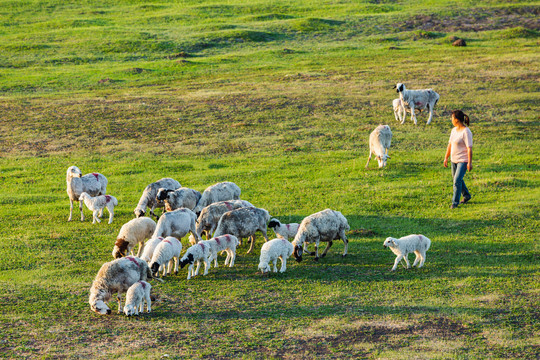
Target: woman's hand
{"x": 469, "y": 166}
{"x": 445, "y": 163}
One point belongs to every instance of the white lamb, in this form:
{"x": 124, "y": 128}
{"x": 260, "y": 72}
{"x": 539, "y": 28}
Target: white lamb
{"x": 179, "y": 198}
{"x": 325, "y": 226}
{"x": 94, "y": 184}
{"x": 227, "y": 243}
{"x": 136, "y": 295}
{"x": 195, "y": 254}
{"x": 420, "y": 99}
{"x": 271, "y": 251}
{"x": 166, "y": 252}
{"x": 177, "y": 223}
{"x": 210, "y": 215}
{"x": 134, "y": 232}
{"x": 284, "y": 231}
{"x": 149, "y": 248}
{"x": 402, "y": 247}
{"x": 96, "y": 204}
{"x": 400, "y": 108}
{"x": 218, "y": 192}
{"x": 379, "y": 143}
{"x": 149, "y": 196}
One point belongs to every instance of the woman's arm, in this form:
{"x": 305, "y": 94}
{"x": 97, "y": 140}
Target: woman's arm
{"x": 447, "y": 155}
{"x": 469, "y": 158}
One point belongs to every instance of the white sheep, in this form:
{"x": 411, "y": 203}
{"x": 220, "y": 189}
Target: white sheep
{"x": 324, "y": 226}
{"x": 402, "y": 247}
{"x": 149, "y": 196}
{"x": 210, "y": 215}
{"x": 179, "y": 198}
{"x": 400, "y": 108}
{"x": 227, "y": 243}
{"x": 167, "y": 252}
{"x": 195, "y": 254}
{"x": 417, "y": 99}
{"x": 284, "y": 231}
{"x": 177, "y": 223}
{"x": 116, "y": 277}
{"x": 134, "y": 232}
{"x": 242, "y": 223}
{"x": 272, "y": 251}
{"x": 136, "y": 295}
{"x": 379, "y": 143}
{"x": 94, "y": 184}
{"x": 218, "y": 192}
{"x": 149, "y": 248}
{"x": 96, "y": 204}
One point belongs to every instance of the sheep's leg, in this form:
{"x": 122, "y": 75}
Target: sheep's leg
{"x": 406, "y": 257}
{"x": 413, "y": 114}
{"x": 176, "y": 264}
{"x": 216, "y": 260}
{"x": 70, "y": 209}
{"x": 228, "y": 258}
{"x": 369, "y": 158}
{"x": 80, "y": 208}
{"x": 207, "y": 265}
{"x": 283, "y": 264}
{"x": 328, "y": 246}
{"x": 189, "y": 270}
{"x": 274, "y": 262}
{"x": 233, "y": 257}
{"x": 264, "y": 235}
{"x": 316, "y": 250}
{"x": 95, "y": 216}
{"x": 403, "y": 114}
{"x": 141, "y": 249}
{"x": 198, "y": 266}
{"x": 119, "y": 299}
{"x": 422, "y": 260}
{"x": 111, "y": 213}
{"x": 398, "y": 259}
{"x": 345, "y": 242}
{"x": 430, "y": 114}
{"x": 171, "y": 266}
{"x": 418, "y": 257}
{"x": 148, "y": 302}
{"x": 252, "y": 243}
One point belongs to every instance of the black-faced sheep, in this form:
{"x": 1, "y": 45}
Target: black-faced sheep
{"x": 166, "y": 255}
{"x": 324, "y": 226}
{"x": 179, "y": 198}
{"x": 417, "y": 99}
{"x": 284, "y": 231}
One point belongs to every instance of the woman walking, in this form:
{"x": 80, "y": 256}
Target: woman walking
{"x": 460, "y": 152}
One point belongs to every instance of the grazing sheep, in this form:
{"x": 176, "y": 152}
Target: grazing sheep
{"x": 243, "y": 222}
{"x": 227, "y": 243}
{"x": 400, "y": 108}
{"x": 177, "y": 223}
{"x": 379, "y": 143}
{"x": 116, "y": 277}
{"x": 196, "y": 253}
{"x": 179, "y": 198}
{"x": 136, "y": 295}
{"x": 324, "y": 226}
{"x": 94, "y": 184}
{"x": 133, "y": 232}
{"x": 284, "y": 231}
{"x": 218, "y": 192}
{"x": 149, "y": 248}
{"x": 210, "y": 215}
{"x": 96, "y": 204}
{"x": 402, "y": 247}
{"x": 149, "y": 196}
{"x": 420, "y": 99}
{"x": 166, "y": 252}
{"x": 271, "y": 251}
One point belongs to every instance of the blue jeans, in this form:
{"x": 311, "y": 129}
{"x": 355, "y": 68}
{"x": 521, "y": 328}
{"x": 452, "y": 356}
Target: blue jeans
{"x": 458, "y": 172}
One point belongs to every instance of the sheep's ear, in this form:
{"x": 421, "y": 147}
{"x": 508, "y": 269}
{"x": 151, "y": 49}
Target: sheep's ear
{"x": 393, "y": 87}
{"x": 400, "y": 88}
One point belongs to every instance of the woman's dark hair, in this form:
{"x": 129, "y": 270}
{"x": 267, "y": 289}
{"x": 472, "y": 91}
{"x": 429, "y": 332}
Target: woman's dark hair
{"x": 462, "y": 118}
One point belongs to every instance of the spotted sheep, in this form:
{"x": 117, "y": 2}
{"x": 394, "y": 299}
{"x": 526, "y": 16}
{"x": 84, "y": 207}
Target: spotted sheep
{"x": 149, "y": 196}
{"x": 93, "y": 184}
{"x": 416, "y": 99}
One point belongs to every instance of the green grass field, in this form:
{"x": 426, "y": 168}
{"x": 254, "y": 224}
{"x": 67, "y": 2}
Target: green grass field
{"x": 278, "y": 97}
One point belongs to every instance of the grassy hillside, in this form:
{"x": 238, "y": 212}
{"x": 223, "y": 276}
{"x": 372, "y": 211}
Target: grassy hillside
{"x": 279, "y": 97}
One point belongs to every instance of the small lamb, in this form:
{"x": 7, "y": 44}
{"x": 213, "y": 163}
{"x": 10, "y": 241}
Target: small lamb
{"x": 96, "y": 204}
{"x": 136, "y": 295}
{"x": 166, "y": 252}
{"x": 284, "y": 231}
{"x": 402, "y": 247}
{"x": 149, "y": 248}
{"x": 379, "y": 143}
{"x": 400, "y": 108}
{"x": 271, "y": 251}
{"x": 227, "y": 243}
{"x": 196, "y": 253}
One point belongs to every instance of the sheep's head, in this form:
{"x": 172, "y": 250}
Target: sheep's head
{"x": 120, "y": 248}
{"x": 97, "y": 304}
{"x": 129, "y": 310}
{"x": 399, "y": 87}
{"x": 264, "y": 267}
{"x": 139, "y": 212}
{"x": 188, "y": 259}
{"x": 73, "y": 171}
{"x": 155, "y": 268}
{"x": 389, "y": 242}
{"x": 163, "y": 193}
{"x": 298, "y": 251}
{"x": 382, "y": 160}
{"x": 274, "y": 223}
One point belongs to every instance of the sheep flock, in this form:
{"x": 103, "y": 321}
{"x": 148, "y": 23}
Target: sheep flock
{"x": 226, "y": 221}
